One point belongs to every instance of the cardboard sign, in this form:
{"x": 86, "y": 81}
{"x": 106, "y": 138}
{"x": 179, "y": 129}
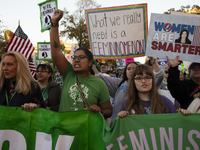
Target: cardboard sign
{"x": 117, "y": 32}
{"x": 44, "y": 51}
{"x": 47, "y": 9}
{"x": 121, "y": 63}
{"x": 171, "y": 35}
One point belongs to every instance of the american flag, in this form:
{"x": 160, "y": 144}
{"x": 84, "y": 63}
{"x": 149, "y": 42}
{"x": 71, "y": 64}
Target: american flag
{"x": 32, "y": 68}
{"x": 20, "y": 43}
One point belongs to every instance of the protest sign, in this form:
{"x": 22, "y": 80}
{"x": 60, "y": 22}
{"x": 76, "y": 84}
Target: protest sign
{"x": 117, "y": 32}
{"x": 162, "y": 61}
{"x": 43, "y": 129}
{"x": 44, "y": 51}
{"x": 46, "y": 11}
{"x": 58, "y": 79}
{"x": 172, "y": 35}
{"x": 129, "y": 60}
{"x": 121, "y": 63}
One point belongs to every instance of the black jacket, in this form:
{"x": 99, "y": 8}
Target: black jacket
{"x": 35, "y": 96}
{"x": 181, "y": 90}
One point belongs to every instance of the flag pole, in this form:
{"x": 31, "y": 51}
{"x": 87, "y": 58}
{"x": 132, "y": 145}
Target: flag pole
{"x": 18, "y": 22}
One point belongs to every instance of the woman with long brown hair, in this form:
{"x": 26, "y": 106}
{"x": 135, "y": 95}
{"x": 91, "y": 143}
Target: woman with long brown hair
{"x": 143, "y": 97}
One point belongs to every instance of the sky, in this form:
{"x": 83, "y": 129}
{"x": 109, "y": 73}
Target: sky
{"x": 27, "y": 11}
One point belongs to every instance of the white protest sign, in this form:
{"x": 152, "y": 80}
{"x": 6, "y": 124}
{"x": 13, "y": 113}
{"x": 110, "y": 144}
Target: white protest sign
{"x": 117, "y": 32}
{"x": 171, "y": 35}
{"x": 46, "y": 11}
{"x": 44, "y": 51}
{"x": 121, "y": 63}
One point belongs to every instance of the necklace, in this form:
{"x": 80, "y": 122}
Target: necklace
{"x": 77, "y": 94}
{"x": 10, "y": 98}
{"x": 45, "y": 92}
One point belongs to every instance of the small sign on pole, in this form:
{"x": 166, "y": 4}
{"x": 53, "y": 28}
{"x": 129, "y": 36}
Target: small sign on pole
{"x": 47, "y": 9}
{"x": 44, "y": 51}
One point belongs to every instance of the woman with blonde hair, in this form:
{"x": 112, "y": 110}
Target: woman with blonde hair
{"x": 143, "y": 97}
{"x": 17, "y": 86}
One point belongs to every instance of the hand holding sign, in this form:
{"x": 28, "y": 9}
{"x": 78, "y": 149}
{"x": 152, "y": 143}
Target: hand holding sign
{"x": 172, "y": 62}
{"x": 57, "y": 15}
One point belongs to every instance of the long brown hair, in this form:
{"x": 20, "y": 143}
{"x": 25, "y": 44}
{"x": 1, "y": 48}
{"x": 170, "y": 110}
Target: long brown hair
{"x": 134, "y": 102}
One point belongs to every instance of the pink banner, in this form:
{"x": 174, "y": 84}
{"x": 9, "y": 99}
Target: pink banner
{"x": 129, "y": 59}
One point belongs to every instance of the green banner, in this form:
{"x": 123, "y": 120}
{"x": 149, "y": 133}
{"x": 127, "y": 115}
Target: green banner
{"x": 154, "y": 132}
{"x": 43, "y": 129}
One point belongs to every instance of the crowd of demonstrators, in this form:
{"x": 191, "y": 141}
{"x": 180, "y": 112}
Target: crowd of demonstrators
{"x": 143, "y": 97}
{"x": 187, "y": 90}
{"x": 51, "y": 91}
{"x": 78, "y": 77}
{"x": 17, "y": 86}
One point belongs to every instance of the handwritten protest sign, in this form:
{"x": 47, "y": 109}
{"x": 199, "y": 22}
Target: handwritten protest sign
{"x": 117, "y": 32}
{"x": 174, "y": 35}
{"x": 44, "y": 51}
{"x": 121, "y": 63}
{"x": 46, "y": 11}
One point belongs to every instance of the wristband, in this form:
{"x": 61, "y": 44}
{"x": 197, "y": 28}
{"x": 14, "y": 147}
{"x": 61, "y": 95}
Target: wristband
{"x": 54, "y": 24}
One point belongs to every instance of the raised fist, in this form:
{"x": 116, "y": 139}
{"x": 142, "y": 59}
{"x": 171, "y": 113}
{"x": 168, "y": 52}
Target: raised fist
{"x": 57, "y": 15}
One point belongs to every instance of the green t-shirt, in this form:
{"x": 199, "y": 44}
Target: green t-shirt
{"x": 95, "y": 91}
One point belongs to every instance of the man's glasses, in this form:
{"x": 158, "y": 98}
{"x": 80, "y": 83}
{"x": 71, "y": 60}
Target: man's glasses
{"x": 166, "y": 72}
{"x": 42, "y": 71}
{"x": 146, "y": 78}
{"x": 80, "y": 57}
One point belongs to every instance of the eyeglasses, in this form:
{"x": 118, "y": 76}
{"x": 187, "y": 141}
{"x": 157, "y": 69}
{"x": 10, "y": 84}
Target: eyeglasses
{"x": 42, "y": 71}
{"x": 140, "y": 79}
{"x": 194, "y": 68}
{"x": 80, "y": 57}
{"x": 166, "y": 72}
{"x": 103, "y": 67}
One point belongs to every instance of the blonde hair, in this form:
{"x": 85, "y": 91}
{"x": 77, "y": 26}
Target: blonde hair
{"x": 23, "y": 75}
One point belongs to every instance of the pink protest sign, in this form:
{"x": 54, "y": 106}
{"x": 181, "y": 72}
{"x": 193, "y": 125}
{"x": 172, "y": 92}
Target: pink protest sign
{"x": 129, "y": 59}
